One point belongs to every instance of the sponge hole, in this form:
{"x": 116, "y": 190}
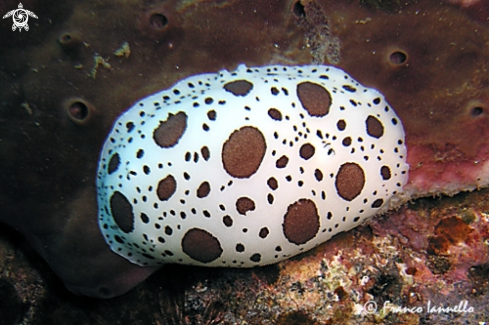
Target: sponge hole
{"x": 158, "y": 21}
{"x": 79, "y": 110}
{"x": 477, "y": 111}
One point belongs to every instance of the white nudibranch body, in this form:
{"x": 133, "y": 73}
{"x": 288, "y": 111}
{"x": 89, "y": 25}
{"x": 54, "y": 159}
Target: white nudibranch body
{"x": 249, "y": 167}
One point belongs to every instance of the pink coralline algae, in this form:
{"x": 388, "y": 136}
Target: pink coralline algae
{"x": 476, "y": 9}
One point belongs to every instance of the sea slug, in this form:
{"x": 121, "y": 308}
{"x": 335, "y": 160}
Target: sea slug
{"x": 247, "y": 168}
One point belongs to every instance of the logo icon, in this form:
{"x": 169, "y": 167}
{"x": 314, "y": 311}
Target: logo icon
{"x": 20, "y": 17}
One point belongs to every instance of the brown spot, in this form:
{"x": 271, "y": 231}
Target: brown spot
{"x": 243, "y": 152}
{"x": 318, "y": 174}
{"x": 301, "y": 222}
{"x": 167, "y": 134}
{"x": 203, "y": 190}
{"x": 374, "y": 127}
{"x": 275, "y": 114}
{"x": 349, "y": 181}
{"x": 227, "y": 220}
{"x": 272, "y": 183}
{"x": 122, "y": 212}
{"x": 211, "y": 115}
{"x": 264, "y": 232}
{"x": 346, "y": 141}
{"x": 205, "y": 153}
{"x": 166, "y": 187}
{"x": 282, "y": 162}
{"x": 201, "y": 245}
{"x": 377, "y": 203}
{"x": 341, "y": 125}
{"x": 239, "y": 87}
{"x": 315, "y": 99}
{"x": 307, "y": 151}
{"x": 114, "y": 163}
{"x": 244, "y": 204}
{"x": 385, "y": 172}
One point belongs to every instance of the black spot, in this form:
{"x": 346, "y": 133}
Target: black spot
{"x": 349, "y": 88}
{"x": 146, "y": 170}
{"x": 270, "y": 198}
{"x": 168, "y": 230}
{"x": 130, "y": 126}
{"x": 140, "y": 154}
{"x": 144, "y": 218}
{"x": 228, "y": 221}
{"x": 255, "y": 258}
{"x": 377, "y": 203}
{"x": 114, "y": 163}
{"x": 240, "y": 248}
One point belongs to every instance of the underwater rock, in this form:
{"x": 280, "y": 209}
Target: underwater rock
{"x": 332, "y": 284}
{"x": 63, "y": 86}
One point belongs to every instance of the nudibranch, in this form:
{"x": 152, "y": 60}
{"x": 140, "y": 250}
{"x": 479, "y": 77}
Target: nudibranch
{"x": 248, "y": 168}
